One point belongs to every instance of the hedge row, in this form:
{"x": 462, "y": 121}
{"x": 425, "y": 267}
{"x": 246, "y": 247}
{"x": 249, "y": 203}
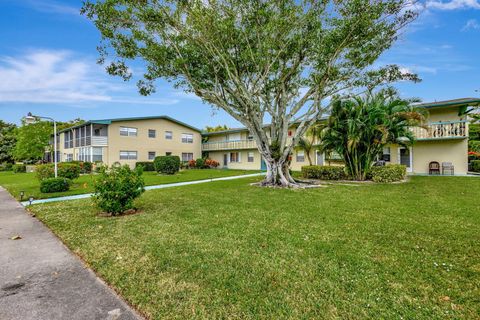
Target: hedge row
{"x": 68, "y": 170}
{"x": 167, "y": 164}
{"x": 388, "y": 173}
{"x": 475, "y": 165}
{"x": 324, "y": 172}
{"x": 147, "y": 165}
{"x": 55, "y": 185}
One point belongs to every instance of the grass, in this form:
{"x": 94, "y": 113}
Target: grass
{"x": 233, "y": 251}
{"x": 27, "y": 182}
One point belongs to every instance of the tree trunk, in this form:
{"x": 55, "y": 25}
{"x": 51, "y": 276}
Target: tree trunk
{"x": 278, "y": 174}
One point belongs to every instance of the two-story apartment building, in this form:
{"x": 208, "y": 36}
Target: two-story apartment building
{"x": 129, "y": 140}
{"x": 444, "y": 139}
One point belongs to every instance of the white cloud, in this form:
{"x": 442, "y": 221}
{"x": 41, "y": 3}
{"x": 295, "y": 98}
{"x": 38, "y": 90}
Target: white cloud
{"x": 471, "y": 24}
{"x": 45, "y": 76}
{"x": 453, "y": 5}
{"x": 50, "y": 6}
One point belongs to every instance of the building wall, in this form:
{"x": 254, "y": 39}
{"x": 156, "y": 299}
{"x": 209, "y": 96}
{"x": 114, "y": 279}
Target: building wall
{"x": 143, "y": 144}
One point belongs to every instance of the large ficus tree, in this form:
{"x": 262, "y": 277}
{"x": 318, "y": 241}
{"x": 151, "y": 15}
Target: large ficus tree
{"x": 262, "y": 61}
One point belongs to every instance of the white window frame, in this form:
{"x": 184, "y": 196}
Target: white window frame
{"x": 300, "y": 156}
{"x": 128, "y": 132}
{"x": 187, "y": 137}
{"x": 154, "y": 133}
{"x": 187, "y": 156}
{"x": 128, "y": 155}
{"x": 150, "y": 153}
{"x": 251, "y": 156}
{"x": 168, "y": 135}
{"x": 238, "y": 157}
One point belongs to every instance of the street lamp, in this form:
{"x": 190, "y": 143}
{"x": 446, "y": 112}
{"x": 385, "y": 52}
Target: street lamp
{"x": 30, "y": 118}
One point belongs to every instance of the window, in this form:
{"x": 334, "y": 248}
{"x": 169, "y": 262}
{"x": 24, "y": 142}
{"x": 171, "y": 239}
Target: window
{"x": 151, "y": 155}
{"x": 128, "y": 155}
{"x": 84, "y": 154}
{"x": 250, "y": 157}
{"x": 168, "y": 135}
{"x": 250, "y": 137}
{"x": 187, "y": 138}
{"x": 300, "y": 156}
{"x": 234, "y": 157}
{"x": 97, "y": 154}
{"x": 152, "y": 133}
{"x": 168, "y": 153}
{"x": 69, "y": 157}
{"x": 130, "y": 132}
{"x": 68, "y": 137}
{"x": 187, "y": 157}
{"x": 386, "y": 154}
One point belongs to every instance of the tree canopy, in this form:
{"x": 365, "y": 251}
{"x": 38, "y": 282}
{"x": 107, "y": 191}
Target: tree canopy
{"x": 216, "y": 128}
{"x": 7, "y": 141}
{"x": 260, "y": 61}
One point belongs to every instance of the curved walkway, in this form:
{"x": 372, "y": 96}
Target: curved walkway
{"x": 159, "y": 186}
{"x": 41, "y": 279}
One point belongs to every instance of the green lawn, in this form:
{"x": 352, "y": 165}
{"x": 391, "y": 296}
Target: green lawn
{"x": 17, "y": 182}
{"x": 230, "y": 250}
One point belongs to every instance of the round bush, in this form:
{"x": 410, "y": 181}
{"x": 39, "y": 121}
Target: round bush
{"x": 44, "y": 171}
{"x": 167, "y": 164}
{"x": 200, "y": 163}
{"x": 116, "y": 188}
{"x": 69, "y": 170}
{"x": 54, "y": 185}
{"x": 19, "y": 168}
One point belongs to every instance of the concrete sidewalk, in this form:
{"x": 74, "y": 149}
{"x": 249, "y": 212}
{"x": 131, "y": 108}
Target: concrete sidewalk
{"x": 41, "y": 279}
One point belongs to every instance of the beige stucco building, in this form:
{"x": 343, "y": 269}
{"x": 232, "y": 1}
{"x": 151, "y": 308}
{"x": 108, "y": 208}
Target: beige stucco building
{"x": 444, "y": 139}
{"x": 129, "y": 140}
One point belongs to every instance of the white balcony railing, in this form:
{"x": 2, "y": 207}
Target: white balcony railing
{"x": 99, "y": 141}
{"x": 442, "y": 130}
{"x": 229, "y": 145}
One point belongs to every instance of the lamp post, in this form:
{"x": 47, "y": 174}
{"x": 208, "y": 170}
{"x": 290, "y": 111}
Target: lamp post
{"x": 30, "y": 118}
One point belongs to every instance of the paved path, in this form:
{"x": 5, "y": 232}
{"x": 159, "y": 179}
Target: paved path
{"x": 160, "y": 186}
{"x": 40, "y": 279}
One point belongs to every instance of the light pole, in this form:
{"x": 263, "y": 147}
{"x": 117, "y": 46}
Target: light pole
{"x": 30, "y": 118}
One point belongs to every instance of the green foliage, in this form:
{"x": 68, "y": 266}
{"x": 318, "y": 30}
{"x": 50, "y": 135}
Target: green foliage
{"x": 7, "y": 166}
{"x": 19, "y": 168}
{"x": 32, "y": 139}
{"x": 360, "y": 127}
{"x": 147, "y": 165}
{"x": 67, "y": 170}
{"x": 200, "y": 163}
{"x": 116, "y": 188}
{"x": 85, "y": 166}
{"x": 217, "y": 128}
{"x": 389, "y": 173}
{"x": 474, "y": 137}
{"x": 324, "y": 172}
{"x": 475, "y": 165}
{"x": 52, "y": 185}
{"x": 44, "y": 171}
{"x": 7, "y": 141}
{"x": 167, "y": 164}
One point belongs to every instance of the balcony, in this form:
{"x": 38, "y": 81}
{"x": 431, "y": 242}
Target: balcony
{"x": 442, "y": 130}
{"x": 99, "y": 141}
{"x": 229, "y": 145}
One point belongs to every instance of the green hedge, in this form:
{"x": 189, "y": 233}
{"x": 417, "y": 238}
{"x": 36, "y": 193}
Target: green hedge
{"x": 324, "y": 172}
{"x": 475, "y": 165}
{"x": 200, "y": 163}
{"x": 147, "y": 165}
{"x": 167, "y": 164}
{"x": 67, "y": 170}
{"x": 388, "y": 173}
{"x": 6, "y": 166}
{"x": 44, "y": 171}
{"x": 55, "y": 185}
{"x": 19, "y": 168}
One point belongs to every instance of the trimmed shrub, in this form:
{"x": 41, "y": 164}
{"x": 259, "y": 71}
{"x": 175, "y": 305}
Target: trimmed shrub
{"x": 147, "y": 165}
{"x": 69, "y": 170}
{"x": 200, "y": 163}
{"x": 388, "y": 173}
{"x": 86, "y": 167}
{"x": 117, "y": 188}
{"x": 7, "y": 166}
{"x": 45, "y": 171}
{"x": 19, "y": 168}
{"x": 192, "y": 164}
{"x": 475, "y": 165}
{"x": 54, "y": 185}
{"x": 324, "y": 172}
{"x": 167, "y": 164}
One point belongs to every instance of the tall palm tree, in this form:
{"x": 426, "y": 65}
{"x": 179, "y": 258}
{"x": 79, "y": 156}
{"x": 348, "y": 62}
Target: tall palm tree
{"x": 358, "y": 128}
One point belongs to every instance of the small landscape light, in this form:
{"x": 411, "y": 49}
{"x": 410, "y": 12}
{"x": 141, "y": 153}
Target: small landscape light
{"x": 30, "y": 200}
{"x": 22, "y": 194}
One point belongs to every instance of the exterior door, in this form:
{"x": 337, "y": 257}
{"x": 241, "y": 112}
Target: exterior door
{"x": 225, "y": 160}
{"x": 263, "y": 165}
{"x": 319, "y": 158}
{"x": 405, "y": 157}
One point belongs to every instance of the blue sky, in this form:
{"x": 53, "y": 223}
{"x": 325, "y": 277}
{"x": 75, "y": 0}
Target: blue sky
{"x": 48, "y": 64}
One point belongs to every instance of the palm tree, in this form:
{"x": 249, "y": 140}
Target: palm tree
{"x": 358, "y": 128}
{"x": 307, "y": 143}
